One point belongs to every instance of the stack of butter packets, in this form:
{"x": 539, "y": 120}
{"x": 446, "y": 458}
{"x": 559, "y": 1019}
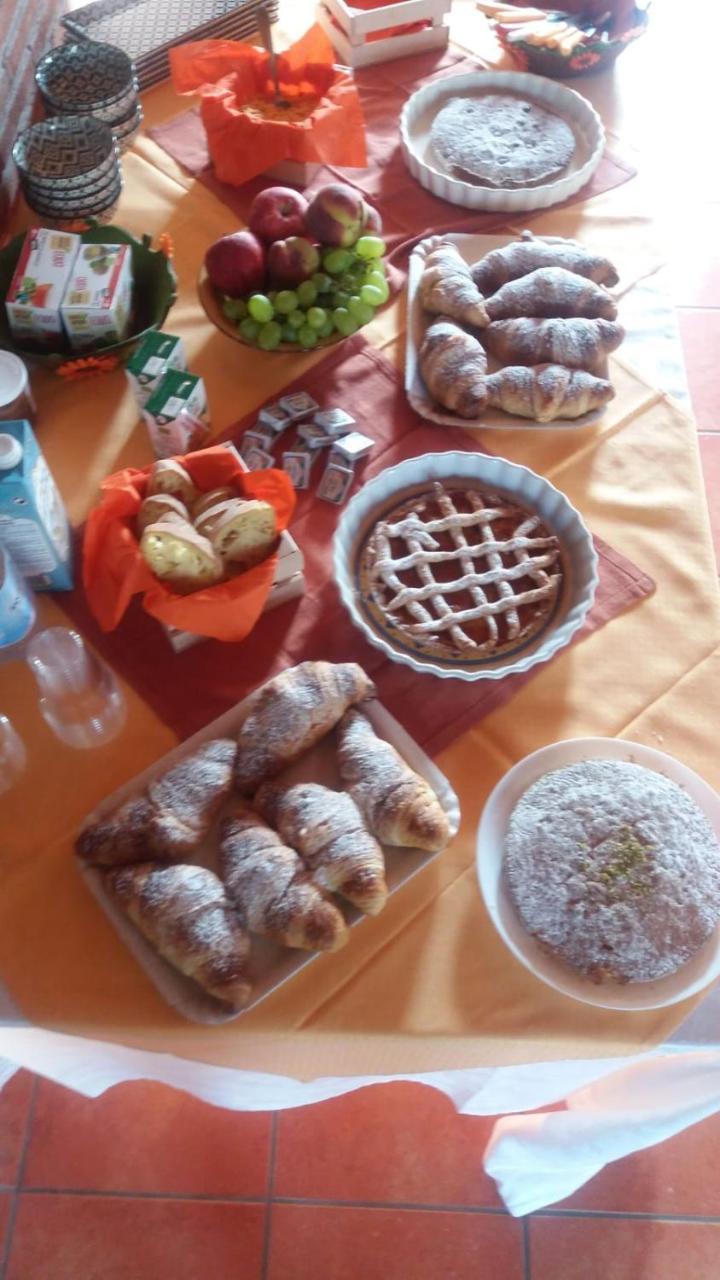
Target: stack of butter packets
{"x": 317, "y": 429}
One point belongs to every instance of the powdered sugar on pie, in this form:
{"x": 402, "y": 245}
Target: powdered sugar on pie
{"x": 501, "y": 140}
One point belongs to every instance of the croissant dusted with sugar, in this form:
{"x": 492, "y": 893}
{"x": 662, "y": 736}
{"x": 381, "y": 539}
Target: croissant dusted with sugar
{"x": 173, "y": 815}
{"x": 184, "y": 912}
{"x": 289, "y": 714}
{"x": 547, "y": 391}
{"x": 328, "y": 832}
{"x": 447, "y": 288}
{"x": 574, "y": 342}
{"x": 453, "y": 366}
{"x": 270, "y": 887}
{"x": 551, "y": 291}
{"x": 531, "y": 252}
{"x": 399, "y": 806}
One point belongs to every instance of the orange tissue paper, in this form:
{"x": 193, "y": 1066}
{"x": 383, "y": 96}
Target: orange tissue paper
{"x": 114, "y": 569}
{"x": 247, "y": 133}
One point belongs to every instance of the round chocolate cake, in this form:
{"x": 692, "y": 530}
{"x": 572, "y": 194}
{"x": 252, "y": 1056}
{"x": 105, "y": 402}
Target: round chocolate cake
{"x": 614, "y": 869}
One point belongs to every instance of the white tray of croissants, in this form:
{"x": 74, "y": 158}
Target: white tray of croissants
{"x": 510, "y": 331}
{"x": 251, "y": 849}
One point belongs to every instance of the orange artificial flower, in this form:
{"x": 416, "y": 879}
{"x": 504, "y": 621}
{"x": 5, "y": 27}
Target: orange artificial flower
{"x": 87, "y": 367}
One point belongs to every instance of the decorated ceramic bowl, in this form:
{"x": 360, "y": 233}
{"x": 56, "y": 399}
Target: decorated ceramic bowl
{"x": 491, "y": 578}
{"x": 593, "y": 54}
{"x": 154, "y": 292}
{"x": 87, "y": 77}
{"x": 65, "y": 153}
{"x": 53, "y": 207}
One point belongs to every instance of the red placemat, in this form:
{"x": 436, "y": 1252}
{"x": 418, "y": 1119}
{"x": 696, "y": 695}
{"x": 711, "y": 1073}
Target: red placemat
{"x": 189, "y": 689}
{"x": 408, "y": 210}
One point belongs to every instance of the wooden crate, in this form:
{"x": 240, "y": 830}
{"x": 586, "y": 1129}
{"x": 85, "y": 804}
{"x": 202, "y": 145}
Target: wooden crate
{"x": 348, "y": 29}
{"x": 289, "y": 583}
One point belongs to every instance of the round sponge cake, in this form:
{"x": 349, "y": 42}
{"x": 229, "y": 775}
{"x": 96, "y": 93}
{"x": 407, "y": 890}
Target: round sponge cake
{"x": 614, "y": 869}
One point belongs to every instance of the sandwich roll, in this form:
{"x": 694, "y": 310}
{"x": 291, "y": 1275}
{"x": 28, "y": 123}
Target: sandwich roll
{"x": 181, "y": 557}
{"x": 211, "y": 499}
{"x": 169, "y": 476}
{"x": 161, "y": 507}
{"x": 245, "y": 534}
{"x": 208, "y": 520}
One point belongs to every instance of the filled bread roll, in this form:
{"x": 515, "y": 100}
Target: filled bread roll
{"x": 180, "y": 556}
{"x": 242, "y": 532}
{"x": 211, "y": 499}
{"x": 161, "y": 507}
{"x": 169, "y": 476}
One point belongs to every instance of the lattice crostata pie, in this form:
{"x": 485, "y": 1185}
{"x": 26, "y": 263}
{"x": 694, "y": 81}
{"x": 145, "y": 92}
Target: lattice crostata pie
{"x": 453, "y": 572}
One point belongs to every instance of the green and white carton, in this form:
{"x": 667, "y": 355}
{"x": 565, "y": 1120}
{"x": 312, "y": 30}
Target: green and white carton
{"x": 155, "y": 355}
{"x": 176, "y": 414}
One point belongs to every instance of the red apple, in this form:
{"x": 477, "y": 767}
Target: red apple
{"x": 372, "y": 222}
{"x": 291, "y": 261}
{"x": 335, "y": 215}
{"x": 276, "y": 213}
{"x": 236, "y": 264}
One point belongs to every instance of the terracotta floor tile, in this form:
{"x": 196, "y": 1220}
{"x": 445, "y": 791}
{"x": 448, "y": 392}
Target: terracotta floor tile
{"x": 14, "y": 1103}
{"x": 673, "y": 1177}
{"x": 312, "y": 1243}
{"x": 145, "y": 1137}
{"x": 710, "y": 454}
{"x": 700, "y": 333}
{"x": 623, "y": 1249}
{"x": 389, "y": 1143}
{"x": 60, "y": 1237}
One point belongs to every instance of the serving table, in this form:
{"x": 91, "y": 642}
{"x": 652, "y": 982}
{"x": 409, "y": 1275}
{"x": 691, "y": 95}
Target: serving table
{"x": 427, "y": 991}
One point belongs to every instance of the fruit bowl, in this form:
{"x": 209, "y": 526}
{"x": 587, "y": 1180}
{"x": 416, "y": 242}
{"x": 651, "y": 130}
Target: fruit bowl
{"x": 282, "y": 304}
{"x": 154, "y": 292}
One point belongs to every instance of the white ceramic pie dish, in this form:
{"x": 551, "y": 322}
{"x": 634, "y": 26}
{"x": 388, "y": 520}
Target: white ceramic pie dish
{"x": 474, "y": 470}
{"x": 421, "y": 108}
{"x": 702, "y": 969}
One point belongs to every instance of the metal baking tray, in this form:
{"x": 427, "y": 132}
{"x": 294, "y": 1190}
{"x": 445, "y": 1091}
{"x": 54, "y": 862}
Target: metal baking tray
{"x": 271, "y": 963}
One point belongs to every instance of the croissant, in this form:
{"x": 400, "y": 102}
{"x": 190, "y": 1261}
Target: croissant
{"x": 269, "y": 886}
{"x": 289, "y": 714}
{"x": 447, "y": 289}
{"x": 171, "y": 818}
{"x": 547, "y": 391}
{"x": 453, "y": 366}
{"x": 576, "y": 343}
{"x": 529, "y": 253}
{"x": 327, "y": 830}
{"x": 551, "y": 291}
{"x": 184, "y": 912}
{"x": 399, "y": 806}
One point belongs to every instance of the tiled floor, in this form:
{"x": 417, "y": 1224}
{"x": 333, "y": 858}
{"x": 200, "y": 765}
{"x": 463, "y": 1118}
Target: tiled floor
{"x": 147, "y": 1183}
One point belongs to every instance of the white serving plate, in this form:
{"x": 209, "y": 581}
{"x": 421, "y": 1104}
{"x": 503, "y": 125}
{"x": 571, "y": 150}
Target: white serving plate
{"x": 471, "y": 249}
{"x": 271, "y": 963}
{"x": 482, "y": 471}
{"x": 693, "y": 977}
{"x": 422, "y": 107}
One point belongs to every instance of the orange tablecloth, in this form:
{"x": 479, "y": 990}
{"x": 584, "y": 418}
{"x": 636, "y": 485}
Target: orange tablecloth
{"x": 427, "y": 985}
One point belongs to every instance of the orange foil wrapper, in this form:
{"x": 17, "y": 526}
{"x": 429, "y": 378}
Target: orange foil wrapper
{"x": 246, "y": 133}
{"x": 114, "y": 570}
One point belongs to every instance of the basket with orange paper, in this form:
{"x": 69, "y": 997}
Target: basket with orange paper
{"x": 201, "y": 539}
{"x": 313, "y": 116}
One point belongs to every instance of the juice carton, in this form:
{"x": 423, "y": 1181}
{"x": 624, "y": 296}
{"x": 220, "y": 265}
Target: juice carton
{"x": 33, "y": 524}
{"x": 36, "y": 290}
{"x": 157, "y": 353}
{"x": 176, "y": 414}
{"x": 96, "y": 304}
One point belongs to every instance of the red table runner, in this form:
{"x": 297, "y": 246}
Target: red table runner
{"x": 189, "y": 689}
{"x": 408, "y": 210}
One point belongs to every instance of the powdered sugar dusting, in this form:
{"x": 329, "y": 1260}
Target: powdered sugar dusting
{"x": 615, "y": 869}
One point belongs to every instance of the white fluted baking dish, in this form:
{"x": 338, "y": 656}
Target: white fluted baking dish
{"x": 493, "y": 474}
{"x": 420, "y": 110}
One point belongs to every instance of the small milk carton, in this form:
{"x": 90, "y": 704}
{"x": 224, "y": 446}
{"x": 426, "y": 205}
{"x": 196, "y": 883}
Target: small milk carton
{"x": 156, "y": 354}
{"x": 33, "y": 522}
{"x": 39, "y": 282}
{"x": 176, "y": 414}
{"x": 96, "y": 304}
